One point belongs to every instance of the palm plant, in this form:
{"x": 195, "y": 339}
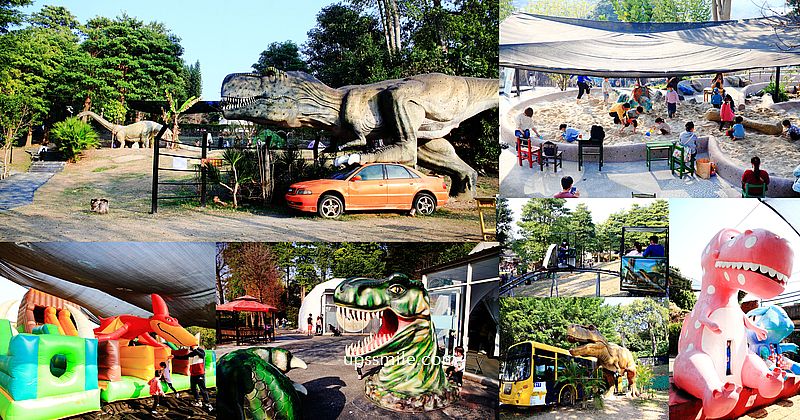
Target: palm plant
{"x": 72, "y": 136}
{"x": 240, "y": 173}
{"x": 173, "y": 113}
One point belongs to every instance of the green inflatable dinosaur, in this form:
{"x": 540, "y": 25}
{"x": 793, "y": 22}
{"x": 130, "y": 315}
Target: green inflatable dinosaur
{"x": 411, "y": 379}
{"x": 252, "y": 385}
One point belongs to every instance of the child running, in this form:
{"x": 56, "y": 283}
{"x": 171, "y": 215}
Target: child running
{"x": 737, "y": 132}
{"x": 155, "y": 391}
{"x": 569, "y": 134}
{"x": 790, "y": 131}
{"x": 672, "y": 102}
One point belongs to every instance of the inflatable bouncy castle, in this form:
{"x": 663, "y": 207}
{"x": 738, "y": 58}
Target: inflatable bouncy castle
{"x": 59, "y": 364}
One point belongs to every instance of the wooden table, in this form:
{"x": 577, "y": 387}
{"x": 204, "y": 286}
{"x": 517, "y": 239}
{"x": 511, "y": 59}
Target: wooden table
{"x": 656, "y": 146}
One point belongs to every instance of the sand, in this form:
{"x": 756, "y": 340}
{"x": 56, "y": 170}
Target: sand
{"x": 779, "y": 157}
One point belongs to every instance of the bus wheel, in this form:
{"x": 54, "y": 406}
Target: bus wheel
{"x": 567, "y": 396}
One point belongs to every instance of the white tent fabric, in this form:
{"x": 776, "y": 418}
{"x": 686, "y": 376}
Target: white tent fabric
{"x": 620, "y": 49}
{"x": 112, "y": 279}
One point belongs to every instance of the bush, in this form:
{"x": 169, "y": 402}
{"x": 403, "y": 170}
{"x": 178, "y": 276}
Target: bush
{"x": 72, "y": 136}
{"x": 208, "y": 336}
{"x": 644, "y": 380}
{"x": 674, "y": 330}
{"x": 770, "y": 89}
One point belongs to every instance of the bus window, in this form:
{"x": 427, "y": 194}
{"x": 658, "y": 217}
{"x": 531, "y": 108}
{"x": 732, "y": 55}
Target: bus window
{"x": 518, "y": 363}
{"x": 544, "y": 369}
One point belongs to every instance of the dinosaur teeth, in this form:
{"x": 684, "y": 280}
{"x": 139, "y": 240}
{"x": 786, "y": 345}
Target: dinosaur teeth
{"x": 754, "y": 267}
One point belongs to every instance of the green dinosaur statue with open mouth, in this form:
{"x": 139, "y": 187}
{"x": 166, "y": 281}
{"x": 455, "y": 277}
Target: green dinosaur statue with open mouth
{"x": 412, "y": 378}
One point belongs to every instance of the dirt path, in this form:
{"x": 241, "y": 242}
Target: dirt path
{"x": 60, "y": 211}
{"x": 621, "y": 408}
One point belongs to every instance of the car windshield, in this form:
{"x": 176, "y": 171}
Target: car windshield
{"x": 344, "y": 173}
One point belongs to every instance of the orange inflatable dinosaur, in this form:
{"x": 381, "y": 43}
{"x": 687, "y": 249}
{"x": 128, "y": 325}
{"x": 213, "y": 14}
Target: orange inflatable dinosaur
{"x": 128, "y": 327}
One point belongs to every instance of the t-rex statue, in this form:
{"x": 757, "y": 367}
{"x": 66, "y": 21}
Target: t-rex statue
{"x": 142, "y": 132}
{"x": 412, "y": 115}
{"x": 128, "y": 327}
{"x": 714, "y": 361}
{"x": 411, "y": 379}
{"x": 612, "y": 358}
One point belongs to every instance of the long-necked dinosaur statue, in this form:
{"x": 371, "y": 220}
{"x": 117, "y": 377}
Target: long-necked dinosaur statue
{"x": 612, "y": 358}
{"x": 412, "y": 378}
{"x": 142, "y": 132}
{"x": 411, "y": 115}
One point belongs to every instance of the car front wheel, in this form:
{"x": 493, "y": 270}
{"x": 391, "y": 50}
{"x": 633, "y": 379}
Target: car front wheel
{"x": 330, "y": 206}
{"x": 424, "y": 204}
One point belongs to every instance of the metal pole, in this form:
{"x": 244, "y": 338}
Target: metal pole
{"x": 516, "y": 79}
{"x": 203, "y": 169}
{"x": 154, "y": 190}
{"x": 597, "y": 287}
{"x": 776, "y": 94}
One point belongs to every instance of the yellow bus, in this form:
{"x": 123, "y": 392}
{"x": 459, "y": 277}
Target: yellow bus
{"x": 530, "y": 375}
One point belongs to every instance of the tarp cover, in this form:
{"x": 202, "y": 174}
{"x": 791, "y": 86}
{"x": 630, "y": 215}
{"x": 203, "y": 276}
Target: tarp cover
{"x": 112, "y": 279}
{"x": 621, "y": 49}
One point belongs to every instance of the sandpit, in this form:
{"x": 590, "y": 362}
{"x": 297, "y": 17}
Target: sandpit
{"x": 778, "y": 156}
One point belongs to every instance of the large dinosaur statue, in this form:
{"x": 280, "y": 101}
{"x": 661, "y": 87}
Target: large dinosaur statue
{"x": 128, "y": 327}
{"x": 142, "y": 132}
{"x": 412, "y": 115}
{"x": 251, "y": 384}
{"x": 411, "y": 379}
{"x": 714, "y": 361}
{"x": 612, "y": 358}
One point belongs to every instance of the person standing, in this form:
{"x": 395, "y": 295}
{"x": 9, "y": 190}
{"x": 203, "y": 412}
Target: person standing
{"x": 197, "y": 374}
{"x": 606, "y": 91}
{"x": 583, "y": 87}
{"x": 310, "y": 322}
{"x": 166, "y": 375}
{"x": 155, "y": 391}
{"x": 319, "y": 324}
{"x": 671, "y": 99}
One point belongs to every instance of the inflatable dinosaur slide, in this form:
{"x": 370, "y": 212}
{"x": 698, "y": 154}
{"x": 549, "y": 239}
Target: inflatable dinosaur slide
{"x": 58, "y": 364}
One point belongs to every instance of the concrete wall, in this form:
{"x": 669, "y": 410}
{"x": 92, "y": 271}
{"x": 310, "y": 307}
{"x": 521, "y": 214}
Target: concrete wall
{"x": 730, "y": 170}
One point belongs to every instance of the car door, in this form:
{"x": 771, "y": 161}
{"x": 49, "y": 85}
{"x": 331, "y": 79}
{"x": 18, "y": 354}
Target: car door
{"x": 402, "y": 186}
{"x": 367, "y": 188}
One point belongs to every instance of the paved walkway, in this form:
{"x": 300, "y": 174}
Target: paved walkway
{"x": 615, "y": 180}
{"x": 787, "y": 409}
{"x": 18, "y": 189}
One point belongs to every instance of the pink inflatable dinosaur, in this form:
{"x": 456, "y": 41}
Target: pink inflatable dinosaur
{"x": 713, "y": 361}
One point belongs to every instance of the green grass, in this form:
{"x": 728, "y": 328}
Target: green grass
{"x": 103, "y": 168}
{"x": 81, "y": 191}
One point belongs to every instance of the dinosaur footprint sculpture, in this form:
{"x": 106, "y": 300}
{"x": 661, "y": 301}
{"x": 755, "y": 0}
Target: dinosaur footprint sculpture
{"x": 714, "y": 361}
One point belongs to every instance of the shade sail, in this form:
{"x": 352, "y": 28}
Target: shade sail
{"x": 117, "y": 278}
{"x": 621, "y": 49}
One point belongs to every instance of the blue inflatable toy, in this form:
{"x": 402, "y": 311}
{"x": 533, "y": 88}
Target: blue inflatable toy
{"x": 778, "y": 325}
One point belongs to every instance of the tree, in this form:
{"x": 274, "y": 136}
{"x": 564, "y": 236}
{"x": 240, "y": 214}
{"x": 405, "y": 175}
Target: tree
{"x": 280, "y": 55}
{"x": 506, "y": 8}
{"x": 604, "y": 10}
{"x": 401, "y": 258}
{"x": 389, "y": 16}
{"x": 721, "y": 9}
{"x": 645, "y": 319}
{"x": 582, "y": 9}
{"x": 539, "y": 220}
{"x": 221, "y": 271}
{"x": 253, "y": 271}
{"x": 194, "y": 80}
{"x": 680, "y": 289}
{"x": 358, "y": 259}
{"x": 504, "y": 220}
{"x": 546, "y": 320}
{"x": 173, "y": 114}
{"x": 663, "y": 10}
{"x": 9, "y": 15}
{"x": 344, "y": 48}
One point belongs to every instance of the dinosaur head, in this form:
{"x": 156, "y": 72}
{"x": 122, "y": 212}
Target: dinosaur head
{"x": 282, "y": 359}
{"x": 589, "y": 350}
{"x": 756, "y": 261}
{"x": 773, "y": 319}
{"x": 401, "y": 304}
{"x": 272, "y": 99}
{"x": 168, "y": 327}
{"x": 584, "y": 334}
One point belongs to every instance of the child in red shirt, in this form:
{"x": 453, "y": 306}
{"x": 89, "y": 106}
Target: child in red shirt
{"x": 155, "y": 391}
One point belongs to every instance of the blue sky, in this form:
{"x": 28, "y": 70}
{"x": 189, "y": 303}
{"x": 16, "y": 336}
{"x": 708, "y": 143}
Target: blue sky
{"x": 227, "y": 37}
{"x": 693, "y": 222}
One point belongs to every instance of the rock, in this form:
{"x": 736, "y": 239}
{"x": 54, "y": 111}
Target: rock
{"x": 760, "y": 126}
{"x": 766, "y": 101}
{"x": 740, "y": 107}
{"x": 696, "y": 85}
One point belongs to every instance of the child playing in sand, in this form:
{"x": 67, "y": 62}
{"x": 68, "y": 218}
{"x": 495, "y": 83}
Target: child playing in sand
{"x": 632, "y": 118}
{"x": 661, "y": 126}
{"x": 606, "y": 90}
{"x": 790, "y": 131}
{"x": 525, "y": 125}
{"x": 688, "y": 139}
{"x": 726, "y": 114}
{"x": 569, "y": 134}
{"x": 716, "y": 99}
{"x": 155, "y": 391}
{"x": 672, "y": 102}
{"x": 737, "y": 132}
{"x": 618, "y": 111}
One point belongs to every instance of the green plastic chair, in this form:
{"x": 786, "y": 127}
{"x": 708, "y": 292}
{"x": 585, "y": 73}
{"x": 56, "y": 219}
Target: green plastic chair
{"x": 746, "y": 192}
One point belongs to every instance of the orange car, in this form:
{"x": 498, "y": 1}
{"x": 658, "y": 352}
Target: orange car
{"x": 373, "y": 186}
